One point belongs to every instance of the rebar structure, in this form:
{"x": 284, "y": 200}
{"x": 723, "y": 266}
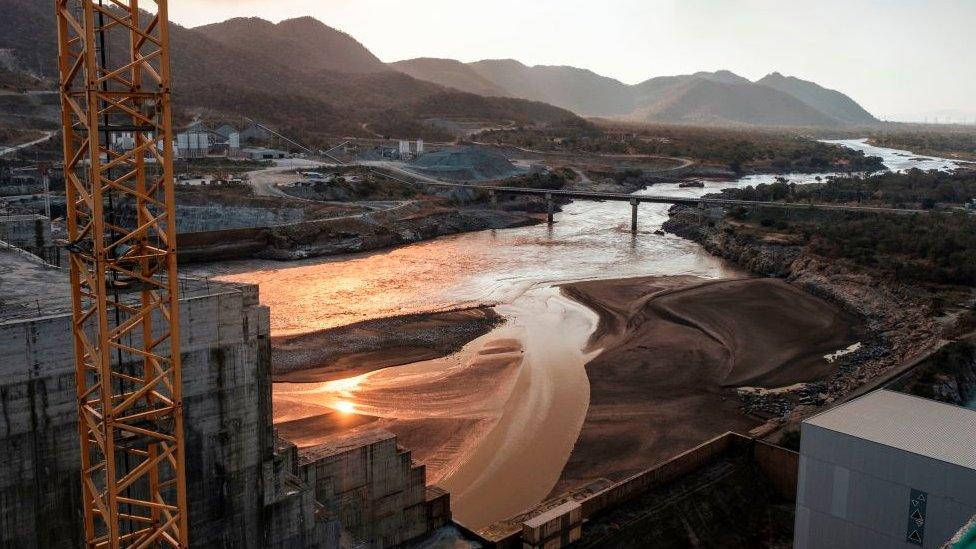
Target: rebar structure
{"x": 115, "y": 84}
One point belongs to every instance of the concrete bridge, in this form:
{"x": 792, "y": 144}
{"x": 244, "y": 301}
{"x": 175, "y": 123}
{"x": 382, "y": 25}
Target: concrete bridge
{"x": 388, "y": 169}
{"x": 636, "y": 199}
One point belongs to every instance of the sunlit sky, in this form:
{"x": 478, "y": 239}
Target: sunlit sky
{"x": 900, "y": 59}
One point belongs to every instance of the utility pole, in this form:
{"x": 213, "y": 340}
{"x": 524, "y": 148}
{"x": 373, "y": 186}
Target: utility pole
{"x": 124, "y": 283}
{"x": 43, "y": 170}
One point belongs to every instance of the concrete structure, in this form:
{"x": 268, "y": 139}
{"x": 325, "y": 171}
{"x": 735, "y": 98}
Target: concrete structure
{"x": 246, "y": 487}
{"x": 192, "y": 144}
{"x": 26, "y": 231}
{"x": 253, "y": 132}
{"x": 226, "y": 130}
{"x": 555, "y": 528}
{"x": 242, "y": 489}
{"x": 886, "y": 470}
{"x": 373, "y": 486}
{"x": 718, "y": 494}
{"x": 261, "y": 153}
{"x": 31, "y": 233}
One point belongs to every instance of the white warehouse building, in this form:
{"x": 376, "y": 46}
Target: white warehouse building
{"x": 886, "y": 470}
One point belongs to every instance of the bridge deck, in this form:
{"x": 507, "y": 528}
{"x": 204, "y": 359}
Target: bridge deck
{"x": 685, "y": 201}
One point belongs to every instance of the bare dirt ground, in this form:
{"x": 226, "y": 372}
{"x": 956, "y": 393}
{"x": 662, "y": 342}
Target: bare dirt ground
{"x": 674, "y": 349}
{"x": 371, "y": 345}
{"x": 664, "y": 359}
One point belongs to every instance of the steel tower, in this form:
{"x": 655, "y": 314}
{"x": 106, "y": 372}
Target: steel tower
{"x": 115, "y": 111}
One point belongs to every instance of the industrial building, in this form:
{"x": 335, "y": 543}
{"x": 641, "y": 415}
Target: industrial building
{"x": 262, "y": 153}
{"x": 886, "y": 470}
{"x": 193, "y": 144}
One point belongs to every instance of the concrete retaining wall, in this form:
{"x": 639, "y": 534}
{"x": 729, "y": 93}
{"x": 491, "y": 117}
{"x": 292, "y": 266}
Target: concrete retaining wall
{"x": 232, "y": 490}
{"x": 373, "y": 487}
{"x": 668, "y": 471}
{"x": 781, "y": 467}
{"x": 778, "y": 464}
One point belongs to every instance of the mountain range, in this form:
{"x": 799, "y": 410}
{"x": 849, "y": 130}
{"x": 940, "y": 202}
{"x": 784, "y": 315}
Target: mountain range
{"x": 312, "y": 79}
{"x": 720, "y": 98}
{"x": 300, "y": 75}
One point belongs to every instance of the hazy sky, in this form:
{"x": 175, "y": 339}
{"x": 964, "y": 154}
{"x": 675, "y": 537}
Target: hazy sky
{"x": 898, "y": 58}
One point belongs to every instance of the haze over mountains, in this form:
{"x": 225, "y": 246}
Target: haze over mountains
{"x": 703, "y": 98}
{"x": 298, "y": 74}
{"x": 309, "y": 77}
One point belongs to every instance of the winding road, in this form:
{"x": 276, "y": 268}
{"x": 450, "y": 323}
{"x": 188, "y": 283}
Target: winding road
{"x": 15, "y": 148}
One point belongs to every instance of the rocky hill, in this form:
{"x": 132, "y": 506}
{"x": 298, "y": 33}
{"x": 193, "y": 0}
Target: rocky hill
{"x": 715, "y": 98}
{"x": 300, "y": 75}
{"x": 313, "y": 44}
{"x": 710, "y": 102}
{"x": 830, "y": 102}
{"x": 581, "y": 91}
{"x": 450, "y": 73}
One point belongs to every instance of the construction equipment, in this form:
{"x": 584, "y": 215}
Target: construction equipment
{"x": 115, "y": 83}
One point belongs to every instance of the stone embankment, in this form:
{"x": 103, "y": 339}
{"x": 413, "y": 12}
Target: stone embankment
{"x": 947, "y": 376}
{"x": 900, "y": 324}
{"x": 404, "y": 224}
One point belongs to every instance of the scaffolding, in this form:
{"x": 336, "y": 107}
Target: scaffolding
{"x": 115, "y": 80}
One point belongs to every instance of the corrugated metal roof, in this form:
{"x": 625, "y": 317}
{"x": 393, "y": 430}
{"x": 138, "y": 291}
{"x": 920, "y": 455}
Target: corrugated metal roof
{"x": 913, "y": 424}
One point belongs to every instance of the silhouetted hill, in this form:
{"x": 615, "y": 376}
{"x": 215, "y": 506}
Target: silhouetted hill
{"x": 691, "y": 98}
{"x": 712, "y": 102}
{"x": 830, "y": 102}
{"x": 579, "y": 90}
{"x": 660, "y": 88}
{"x": 300, "y": 75}
{"x": 304, "y": 44}
{"x": 451, "y": 74}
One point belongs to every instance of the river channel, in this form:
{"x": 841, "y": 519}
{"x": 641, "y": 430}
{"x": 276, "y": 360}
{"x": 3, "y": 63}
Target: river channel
{"x": 527, "y": 424}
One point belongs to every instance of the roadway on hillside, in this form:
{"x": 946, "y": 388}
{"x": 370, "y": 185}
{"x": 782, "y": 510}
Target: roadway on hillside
{"x": 7, "y": 150}
{"x": 682, "y": 162}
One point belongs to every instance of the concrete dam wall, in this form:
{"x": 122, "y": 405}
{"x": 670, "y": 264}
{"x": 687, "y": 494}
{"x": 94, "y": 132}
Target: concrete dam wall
{"x": 237, "y": 485}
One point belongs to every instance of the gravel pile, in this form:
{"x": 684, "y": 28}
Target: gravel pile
{"x": 467, "y": 163}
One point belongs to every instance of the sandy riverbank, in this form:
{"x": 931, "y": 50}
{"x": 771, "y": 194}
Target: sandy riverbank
{"x": 513, "y": 403}
{"x": 675, "y": 348}
{"x": 371, "y": 345}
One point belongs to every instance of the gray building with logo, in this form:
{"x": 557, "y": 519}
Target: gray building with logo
{"x": 886, "y": 470}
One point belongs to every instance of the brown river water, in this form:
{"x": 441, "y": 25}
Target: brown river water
{"x": 529, "y": 422}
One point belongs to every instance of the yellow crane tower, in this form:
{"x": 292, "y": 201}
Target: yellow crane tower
{"x": 118, "y": 168}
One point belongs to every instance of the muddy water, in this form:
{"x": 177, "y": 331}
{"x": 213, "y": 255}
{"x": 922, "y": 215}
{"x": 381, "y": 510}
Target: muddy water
{"x": 530, "y": 429}
{"x": 528, "y": 426}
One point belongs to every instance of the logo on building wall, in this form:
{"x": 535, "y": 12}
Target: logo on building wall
{"x": 916, "y": 517}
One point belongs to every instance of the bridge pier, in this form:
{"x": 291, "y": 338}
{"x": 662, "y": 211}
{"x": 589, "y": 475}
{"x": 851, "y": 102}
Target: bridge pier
{"x": 493, "y": 198}
{"x": 633, "y": 215}
{"x": 551, "y": 206}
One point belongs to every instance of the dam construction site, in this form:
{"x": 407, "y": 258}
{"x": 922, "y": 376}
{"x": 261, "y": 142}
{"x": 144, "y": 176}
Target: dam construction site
{"x": 521, "y": 329}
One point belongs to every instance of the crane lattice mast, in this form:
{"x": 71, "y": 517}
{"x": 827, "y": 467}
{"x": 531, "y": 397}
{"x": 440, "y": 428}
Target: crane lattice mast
{"x": 118, "y": 169}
